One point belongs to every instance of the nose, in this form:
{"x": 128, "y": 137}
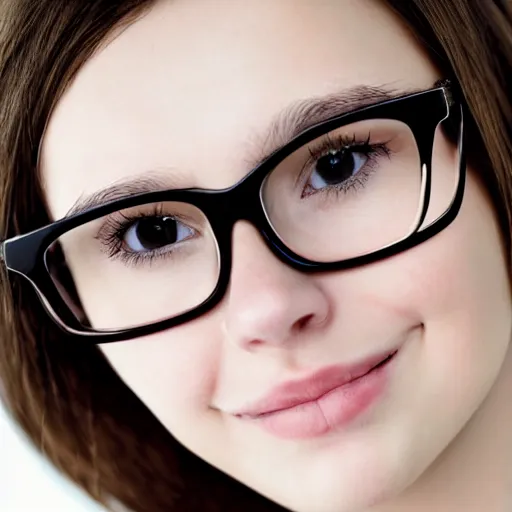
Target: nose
{"x": 269, "y": 303}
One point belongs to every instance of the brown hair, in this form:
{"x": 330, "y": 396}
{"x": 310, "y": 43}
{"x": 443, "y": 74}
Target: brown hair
{"x": 65, "y": 396}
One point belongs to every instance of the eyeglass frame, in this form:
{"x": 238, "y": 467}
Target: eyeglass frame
{"x": 421, "y": 111}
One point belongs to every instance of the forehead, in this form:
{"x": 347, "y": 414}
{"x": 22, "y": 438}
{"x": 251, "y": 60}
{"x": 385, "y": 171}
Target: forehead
{"x": 191, "y": 86}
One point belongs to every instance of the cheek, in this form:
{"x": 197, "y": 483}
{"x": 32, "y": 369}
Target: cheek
{"x": 459, "y": 280}
{"x": 173, "y": 372}
{"x": 457, "y": 286}
{"x": 466, "y": 293}
{"x": 459, "y": 275}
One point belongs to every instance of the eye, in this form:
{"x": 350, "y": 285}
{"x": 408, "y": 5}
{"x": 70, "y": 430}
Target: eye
{"x": 336, "y": 167}
{"x": 152, "y": 233}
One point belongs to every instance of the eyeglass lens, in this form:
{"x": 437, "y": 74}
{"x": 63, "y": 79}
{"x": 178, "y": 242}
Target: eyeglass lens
{"x": 350, "y": 192}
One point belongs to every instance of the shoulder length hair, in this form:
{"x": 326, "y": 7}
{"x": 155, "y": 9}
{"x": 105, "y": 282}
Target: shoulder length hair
{"x": 67, "y": 398}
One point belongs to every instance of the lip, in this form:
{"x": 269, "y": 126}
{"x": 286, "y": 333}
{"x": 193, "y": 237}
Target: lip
{"x": 312, "y": 388}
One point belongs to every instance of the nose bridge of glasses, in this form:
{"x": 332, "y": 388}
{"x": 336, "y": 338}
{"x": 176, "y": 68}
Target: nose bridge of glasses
{"x": 243, "y": 201}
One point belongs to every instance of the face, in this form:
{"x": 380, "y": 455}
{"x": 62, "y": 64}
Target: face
{"x": 190, "y": 89}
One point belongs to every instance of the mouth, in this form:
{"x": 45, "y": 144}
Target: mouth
{"x": 312, "y": 389}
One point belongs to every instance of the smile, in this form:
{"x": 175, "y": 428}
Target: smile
{"x": 330, "y": 398}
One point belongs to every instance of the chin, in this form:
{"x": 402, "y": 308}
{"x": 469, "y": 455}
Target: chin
{"x": 353, "y": 483}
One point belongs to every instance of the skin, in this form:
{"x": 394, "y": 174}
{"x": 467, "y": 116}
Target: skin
{"x": 192, "y": 87}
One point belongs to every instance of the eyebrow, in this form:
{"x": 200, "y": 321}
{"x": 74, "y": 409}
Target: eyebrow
{"x": 303, "y": 114}
{"x": 149, "y": 181}
{"x": 285, "y": 126}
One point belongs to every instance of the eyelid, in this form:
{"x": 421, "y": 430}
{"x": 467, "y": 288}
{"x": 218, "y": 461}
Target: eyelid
{"x": 337, "y": 143}
{"x": 359, "y": 179}
{"x": 132, "y": 258}
{"x": 325, "y": 144}
{"x": 111, "y": 231}
{"x": 155, "y": 210}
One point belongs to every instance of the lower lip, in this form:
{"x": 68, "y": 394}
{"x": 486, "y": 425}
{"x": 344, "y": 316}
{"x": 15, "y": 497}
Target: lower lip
{"x": 333, "y": 410}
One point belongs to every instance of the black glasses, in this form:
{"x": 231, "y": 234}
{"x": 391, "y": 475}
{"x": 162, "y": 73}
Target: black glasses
{"x": 346, "y": 192}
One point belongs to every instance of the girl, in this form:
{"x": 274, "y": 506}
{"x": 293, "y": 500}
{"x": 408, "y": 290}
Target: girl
{"x": 256, "y": 253}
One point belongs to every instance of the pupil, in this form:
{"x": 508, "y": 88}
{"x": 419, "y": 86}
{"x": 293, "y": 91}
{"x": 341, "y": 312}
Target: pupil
{"x": 336, "y": 167}
{"x": 154, "y": 233}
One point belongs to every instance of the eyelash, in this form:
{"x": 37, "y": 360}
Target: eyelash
{"x": 339, "y": 143}
{"x": 112, "y": 232}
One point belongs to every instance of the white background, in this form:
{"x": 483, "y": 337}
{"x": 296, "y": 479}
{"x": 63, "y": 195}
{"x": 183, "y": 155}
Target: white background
{"x": 28, "y": 483}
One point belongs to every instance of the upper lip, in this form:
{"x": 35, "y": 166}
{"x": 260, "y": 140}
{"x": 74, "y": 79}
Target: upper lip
{"x": 295, "y": 392}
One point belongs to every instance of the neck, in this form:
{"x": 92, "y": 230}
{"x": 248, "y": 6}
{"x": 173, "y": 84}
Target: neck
{"x": 474, "y": 473}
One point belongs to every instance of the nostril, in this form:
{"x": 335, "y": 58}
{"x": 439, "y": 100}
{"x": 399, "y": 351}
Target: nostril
{"x": 253, "y": 344}
{"x": 303, "y": 322}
